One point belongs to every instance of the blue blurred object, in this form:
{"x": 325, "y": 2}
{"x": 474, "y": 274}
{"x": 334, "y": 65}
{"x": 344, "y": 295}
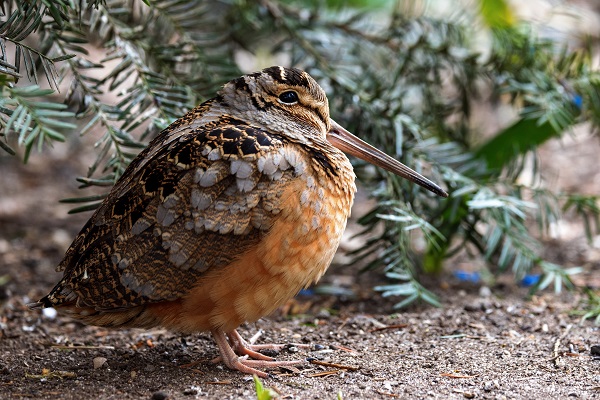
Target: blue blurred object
{"x": 530, "y": 280}
{"x": 467, "y": 276}
{"x": 578, "y": 101}
{"x": 306, "y": 292}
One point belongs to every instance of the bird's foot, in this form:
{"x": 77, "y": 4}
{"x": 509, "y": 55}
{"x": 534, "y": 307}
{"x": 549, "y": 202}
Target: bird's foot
{"x": 242, "y": 347}
{"x": 233, "y": 343}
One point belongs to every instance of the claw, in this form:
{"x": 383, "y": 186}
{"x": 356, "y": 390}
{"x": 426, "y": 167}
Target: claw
{"x": 233, "y": 343}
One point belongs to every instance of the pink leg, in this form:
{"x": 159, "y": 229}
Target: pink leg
{"x": 242, "y": 347}
{"x": 242, "y": 364}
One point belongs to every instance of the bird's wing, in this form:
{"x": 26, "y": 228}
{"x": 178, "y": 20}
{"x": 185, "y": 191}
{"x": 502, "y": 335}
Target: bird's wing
{"x": 184, "y": 206}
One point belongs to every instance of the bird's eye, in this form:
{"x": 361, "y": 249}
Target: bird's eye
{"x": 289, "y": 97}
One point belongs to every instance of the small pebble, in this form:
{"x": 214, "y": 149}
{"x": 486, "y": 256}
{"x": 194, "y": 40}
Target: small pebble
{"x": 5, "y": 246}
{"x": 491, "y": 385}
{"x": 99, "y": 362}
{"x": 159, "y": 396}
{"x": 190, "y": 391}
{"x": 49, "y": 313}
{"x": 270, "y": 352}
{"x": 323, "y": 313}
{"x": 469, "y": 395}
{"x": 149, "y": 368}
{"x": 572, "y": 348}
{"x": 485, "y": 291}
{"x": 595, "y": 350}
{"x": 293, "y": 349}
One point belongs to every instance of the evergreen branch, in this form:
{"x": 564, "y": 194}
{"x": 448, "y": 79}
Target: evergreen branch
{"x": 590, "y": 307}
{"x": 33, "y": 121}
{"x": 23, "y": 21}
{"x": 588, "y": 209}
{"x": 88, "y": 90}
{"x": 151, "y": 102}
{"x": 411, "y": 291}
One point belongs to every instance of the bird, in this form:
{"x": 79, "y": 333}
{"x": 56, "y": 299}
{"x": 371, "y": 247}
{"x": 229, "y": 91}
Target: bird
{"x": 227, "y": 214}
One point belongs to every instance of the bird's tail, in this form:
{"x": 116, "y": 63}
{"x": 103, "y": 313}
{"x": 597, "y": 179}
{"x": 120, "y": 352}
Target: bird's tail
{"x": 44, "y": 302}
{"x": 58, "y": 296}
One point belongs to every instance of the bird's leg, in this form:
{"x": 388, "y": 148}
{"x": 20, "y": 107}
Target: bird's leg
{"x": 242, "y": 364}
{"x": 242, "y": 347}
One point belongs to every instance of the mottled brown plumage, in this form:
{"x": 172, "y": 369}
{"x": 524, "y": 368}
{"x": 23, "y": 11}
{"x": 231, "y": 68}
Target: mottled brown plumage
{"x": 227, "y": 214}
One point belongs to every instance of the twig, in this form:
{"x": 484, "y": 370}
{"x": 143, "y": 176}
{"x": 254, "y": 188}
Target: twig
{"x": 325, "y": 373}
{"x": 333, "y": 365}
{"x": 343, "y": 348}
{"x": 555, "y": 353}
{"x": 291, "y": 368}
{"x": 383, "y": 328}
{"x": 277, "y": 390}
{"x": 458, "y": 376}
{"x": 52, "y": 374}
{"x": 343, "y": 324}
{"x": 255, "y": 337}
{"x": 71, "y": 347}
{"x": 456, "y": 336}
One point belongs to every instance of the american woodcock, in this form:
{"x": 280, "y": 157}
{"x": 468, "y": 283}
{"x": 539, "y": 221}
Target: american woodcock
{"x": 226, "y": 215}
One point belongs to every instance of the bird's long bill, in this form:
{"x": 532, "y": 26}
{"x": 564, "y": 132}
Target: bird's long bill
{"x": 348, "y": 143}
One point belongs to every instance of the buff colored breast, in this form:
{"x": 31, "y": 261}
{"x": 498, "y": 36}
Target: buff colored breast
{"x": 296, "y": 252}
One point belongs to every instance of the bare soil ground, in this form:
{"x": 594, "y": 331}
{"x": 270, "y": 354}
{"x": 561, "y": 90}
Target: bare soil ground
{"x": 492, "y": 343}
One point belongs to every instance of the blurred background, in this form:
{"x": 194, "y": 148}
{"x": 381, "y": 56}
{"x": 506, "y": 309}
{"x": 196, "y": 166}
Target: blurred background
{"x": 496, "y": 100}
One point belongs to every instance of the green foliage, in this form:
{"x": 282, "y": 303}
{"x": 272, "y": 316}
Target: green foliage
{"x": 155, "y": 80}
{"x": 586, "y": 207}
{"x": 514, "y": 142}
{"x": 496, "y": 13}
{"x": 263, "y": 393}
{"x": 590, "y": 307}
{"x": 404, "y": 82}
{"x": 34, "y": 121}
{"x": 411, "y": 290}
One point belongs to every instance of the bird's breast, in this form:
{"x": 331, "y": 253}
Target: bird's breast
{"x": 303, "y": 240}
{"x": 294, "y": 253}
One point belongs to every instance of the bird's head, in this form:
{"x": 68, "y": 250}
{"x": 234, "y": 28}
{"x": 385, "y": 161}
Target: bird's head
{"x": 284, "y": 100}
{"x": 290, "y": 102}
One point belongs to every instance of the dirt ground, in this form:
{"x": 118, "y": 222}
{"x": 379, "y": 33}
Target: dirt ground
{"x": 489, "y": 343}
{"x": 476, "y": 347}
